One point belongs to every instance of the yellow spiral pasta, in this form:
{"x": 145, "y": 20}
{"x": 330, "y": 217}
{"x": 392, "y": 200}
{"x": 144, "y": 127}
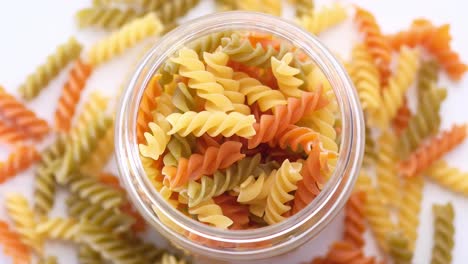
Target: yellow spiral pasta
{"x": 202, "y": 81}
{"x": 59, "y": 228}
{"x": 388, "y": 182}
{"x": 408, "y": 216}
{"x": 398, "y": 84}
{"x": 256, "y": 92}
{"x": 216, "y": 64}
{"x": 25, "y": 223}
{"x": 377, "y": 215}
{"x": 323, "y": 19}
{"x": 284, "y": 74}
{"x": 157, "y": 140}
{"x": 254, "y": 192}
{"x": 170, "y": 259}
{"x": 273, "y": 7}
{"x": 285, "y": 181}
{"x": 210, "y": 213}
{"x": 450, "y": 177}
{"x": 365, "y": 76}
{"x": 101, "y": 156}
{"x": 212, "y": 123}
{"x": 129, "y": 35}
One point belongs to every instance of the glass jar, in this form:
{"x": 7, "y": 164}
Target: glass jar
{"x": 280, "y": 238}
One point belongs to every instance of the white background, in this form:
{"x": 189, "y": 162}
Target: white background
{"x": 31, "y": 29}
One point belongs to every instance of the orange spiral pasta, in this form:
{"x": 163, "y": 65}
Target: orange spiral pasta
{"x": 402, "y": 117}
{"x": 312, "y": 180}
{"x": 375, "y": 41}
{"x": 437, "y": 42}
{"x": 238, "y": 213}
{"x": 22, "y": 118}
{"x": 12, "y": 245}
{"x": 295, "y": 137}
{"x": 71, "y": 94}
{"x": 424, "y": 156}
{"x": 19, "y": 160}
{"x": 354, "y": 223}
{"x": 265, "y": 76}
{"x": 205, "y": 141}
{"x": 147, "y": 106}
{"x": 198, "y": 165}
{"x": 11, "y": 135}
{"x": 342, "y": 252}
{"x": 269, "y": 126}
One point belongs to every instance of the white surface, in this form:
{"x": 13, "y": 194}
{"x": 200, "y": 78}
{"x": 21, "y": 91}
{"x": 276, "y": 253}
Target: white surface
{"x": 31, "y": 29}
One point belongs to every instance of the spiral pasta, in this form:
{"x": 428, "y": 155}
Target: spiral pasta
{"x": 375, "y": 42}
{"x": 212, "y": 123}
{"x": 101, "y": 155}
{"x": 169, "y": 11}
{"x": 178, "y": 147}
{"x": 55, "y": 62}
{"x": 343, "y": 252}
{"x": 398, "y": 84}
{"x": 87, "y": 255}
{"x": 317, "y": 21}
{"x": 388, "y": 182}
{"x": 355, "y": 224}
{"x": 444, "y": 232}
{"x": 107, "y": 18}
{"x": 21, "y": 159}
{"x": 270, "y": 126}
{"x": 21, "y": 117}
{"x": 449, "y": 177}
{"x": 147, "y": 106}
{"x": 95, "y": 192}
{"x": 433, "y": 150}
{"x": 128, "y": 36}
{"x": 256, "y": 92}
{"x": 298, "y": 138}
{"x": 202, "y": 81}
{"x": 48, "y": 260}
{"x": 238, "y": 213}
{"x": 370, "y": 150}
{"x": 198, "y": 165}
{"x": 303, "y": 7}
{"x": 95, "y": 214}
{"x": 241, "y": 50}
{"x": 170, "y": 259}
{"x": 12, "y": 244}
{"x": 25, "y": 224}
{"x": 10, "y": 134}
{"x": 366, "y": 78}
{"x": 285, "y": 181}
{"x": 284, "y": 74}
{"x": 399, "y": 248}
{"x": 402, "y": 117}
{"x": 184, "y": 98}
{"x": 425, "y": 122}
{"x": 157, "y": 140}
{"x": 44, "y": 184}
{"x": 71, "y": 94}
{"x": 408, "y": 214}
{"x": 428, "y": 74}
{"x": 59, "y": 228}
{"x": 210, "y": 213}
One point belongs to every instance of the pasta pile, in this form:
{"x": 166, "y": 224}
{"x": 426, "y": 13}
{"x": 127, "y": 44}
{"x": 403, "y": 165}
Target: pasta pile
{"x": 237, "y": 130}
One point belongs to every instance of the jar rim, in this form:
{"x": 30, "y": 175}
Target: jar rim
{"x": 310, "y": 220}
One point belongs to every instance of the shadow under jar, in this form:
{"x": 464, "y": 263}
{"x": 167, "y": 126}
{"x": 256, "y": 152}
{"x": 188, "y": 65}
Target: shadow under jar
{"x": 264, "y": 243}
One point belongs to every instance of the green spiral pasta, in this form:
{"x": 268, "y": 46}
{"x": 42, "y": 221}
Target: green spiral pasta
{"x": 370, "y": 152}
{"x": 87, "y": 255}
{"x": 91, "y": 189}
{"x": 428, "y": 75}
{"x": 59, "y": 228}
{"x": 171, "y": 10}
{"x": 81, "y": 144}
{"x": 444, "y": 231}
{"x": 303, "y": 7}
{"x": 183, "y": 98}
{"x": 44, "y": 184}
{"x": 206, "y": 43}
{"x": 107, "y": 18}
{"x": 178, "y": 147}
{"x": 425, "y": 122}
{"x": 64, "y": 54}
{"x": 221, "y": 181}
{"x": 118, "y": 249}
{"x": 399, "y": 248}
{"x": 128, "y": 36}
{"x": 95, "y": 214}
{"x": 241, "y": 50}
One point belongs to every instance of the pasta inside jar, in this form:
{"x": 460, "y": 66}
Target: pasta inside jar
{"x": 237, "y": 128}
